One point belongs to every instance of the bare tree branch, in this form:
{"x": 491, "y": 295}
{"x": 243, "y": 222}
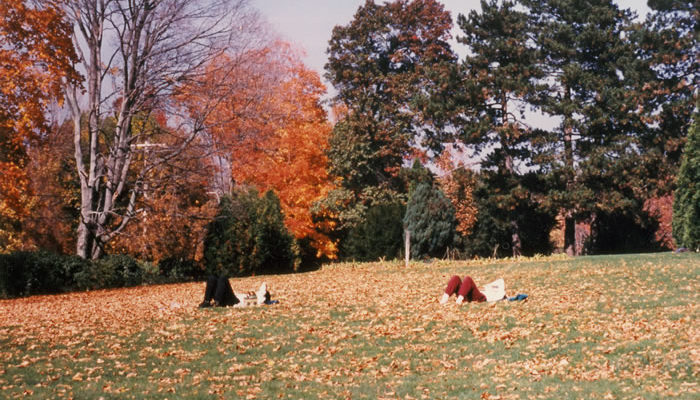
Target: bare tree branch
{"x": 148, "y": 49}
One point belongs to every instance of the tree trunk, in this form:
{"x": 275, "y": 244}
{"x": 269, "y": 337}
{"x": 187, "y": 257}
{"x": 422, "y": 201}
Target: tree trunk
{"x": 570, "y": 235}
{"x": 515, "y": 243}
{"x": 82, "y": 241}
{"x": 159, "y": 45}
{"x": 569, "y": 221}
{"x": 515, "y": 239}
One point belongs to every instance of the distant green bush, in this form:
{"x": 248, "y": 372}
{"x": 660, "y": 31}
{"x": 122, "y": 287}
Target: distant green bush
{"x": 430, "y": 217}
{"x": 111, "y": 271}
{"x": 25, "y": 273}
{"x": 179, "y": 269}
{"x": 248, "y": 236}
{"x": 379, "y": 235}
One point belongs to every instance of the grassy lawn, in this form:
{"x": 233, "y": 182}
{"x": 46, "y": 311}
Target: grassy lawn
{"x": 593, "y": 327}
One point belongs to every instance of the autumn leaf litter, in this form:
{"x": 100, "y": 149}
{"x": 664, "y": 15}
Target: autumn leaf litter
{"x": 339, "y": 309}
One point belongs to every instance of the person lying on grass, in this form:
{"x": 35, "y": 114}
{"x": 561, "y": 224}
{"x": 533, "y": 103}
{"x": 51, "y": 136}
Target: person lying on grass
{"x": 219, "y": 290}
{"x": 466, "y": 290}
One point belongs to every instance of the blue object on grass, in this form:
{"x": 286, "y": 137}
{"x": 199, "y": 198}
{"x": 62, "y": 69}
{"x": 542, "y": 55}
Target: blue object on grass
{"x": 519, "y": 297}
{"x": 268, "y": 302}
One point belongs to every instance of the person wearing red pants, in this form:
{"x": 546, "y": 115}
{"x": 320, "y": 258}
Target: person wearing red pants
{"x": 466, "y": 290}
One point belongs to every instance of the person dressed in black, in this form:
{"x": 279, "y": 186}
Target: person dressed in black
{"x": 219, "y": 290}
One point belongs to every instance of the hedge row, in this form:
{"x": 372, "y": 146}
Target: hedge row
{"x": 25, "y": 273}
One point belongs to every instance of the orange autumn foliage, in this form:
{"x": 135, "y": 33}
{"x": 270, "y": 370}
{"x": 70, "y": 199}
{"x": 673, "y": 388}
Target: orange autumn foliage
{"x": 171, "y": 224}
{"x": 272, "y": 131}
{"x": 458, "y": 184}
{"x": 293, "y": 161}
{"x": 36, "y": 53}
{"x": 54, "y": 211}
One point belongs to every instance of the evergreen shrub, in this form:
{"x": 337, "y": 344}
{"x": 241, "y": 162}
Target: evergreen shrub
{"x": 378, "y": 235}
{"x": 686, "y": 205}
{"x": 112, "y": 271}
{"x": 430, "y": 217}
{"x": 25, "y": 273}
{"x": 178, "y": 269}
{"x": 248, "y": 236}
{"x": 497, "y": 204}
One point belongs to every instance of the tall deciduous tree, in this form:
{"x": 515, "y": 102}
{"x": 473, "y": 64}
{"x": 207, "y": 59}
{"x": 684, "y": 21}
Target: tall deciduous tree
{"x": 175, "y": 206}
{"x": 53, "y": 217}
{"x": 293, "y": 162}
{"x": 134, "y": 55}
{"x": 591, "y": 72}
{"x": 382, "y": 63}
{"x": 245, "y": 113}
{"x": 36, "y": 54}
{"x": 271, "y": 133}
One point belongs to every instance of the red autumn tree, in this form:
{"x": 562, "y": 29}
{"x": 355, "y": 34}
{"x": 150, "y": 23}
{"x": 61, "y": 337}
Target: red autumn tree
{"x": 171, "y": 222}
{"x": 661, "y": 208}
{"x": 55, "y": 204}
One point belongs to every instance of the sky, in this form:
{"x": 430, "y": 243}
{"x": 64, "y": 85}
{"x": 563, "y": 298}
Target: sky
{"x": 308, "y": 24}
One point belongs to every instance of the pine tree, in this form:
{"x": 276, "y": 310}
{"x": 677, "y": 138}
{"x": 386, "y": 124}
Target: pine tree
{"x": 668, "y": 40}
{"x": 379, "y": 235}
{"x": 591, "y": 69}
{"x": 274, "y": 245}
{"x": 219, "y": 255}
{"x": 502, "y": 63}
{"x": 491, "y": 235}
{"x": 248, "y": 236}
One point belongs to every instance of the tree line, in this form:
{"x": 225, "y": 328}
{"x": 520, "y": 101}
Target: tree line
{"x": 143, "y": 127}
{"x": 619, "y": 93}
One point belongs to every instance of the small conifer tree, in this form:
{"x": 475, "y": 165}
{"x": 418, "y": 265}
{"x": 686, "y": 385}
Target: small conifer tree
{"x": 274, "y": 245}
{"x": 430, "y": 217}
{"x": 379, "y": 235}
{"x": 248, "y": 236}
